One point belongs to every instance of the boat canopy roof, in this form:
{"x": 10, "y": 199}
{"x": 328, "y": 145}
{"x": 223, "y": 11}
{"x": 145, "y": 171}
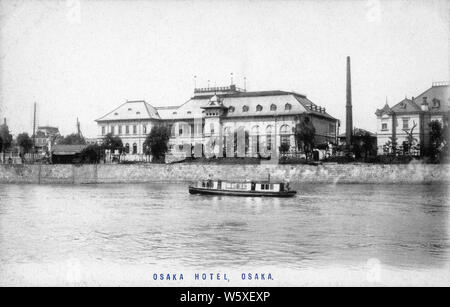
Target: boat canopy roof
{"x": 248, "y": 181}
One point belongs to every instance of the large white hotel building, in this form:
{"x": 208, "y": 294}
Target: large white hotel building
{"x": 267, "y": 117}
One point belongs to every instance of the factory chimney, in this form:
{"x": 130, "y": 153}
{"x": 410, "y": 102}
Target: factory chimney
{"x": 348, "y": 106}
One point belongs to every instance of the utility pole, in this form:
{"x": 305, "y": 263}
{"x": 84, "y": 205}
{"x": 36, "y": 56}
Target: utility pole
{"x": 34, "y": 131}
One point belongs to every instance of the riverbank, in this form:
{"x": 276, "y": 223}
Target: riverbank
{"x": 181, "y": 172}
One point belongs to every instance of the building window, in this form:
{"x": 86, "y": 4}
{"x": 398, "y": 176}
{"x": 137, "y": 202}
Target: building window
{"x": 231, "y": 109}
{"x": 103, "y": 130}
{"x": 120, "y": 129}
{"x": 127, "y": 130}
{"x": 287, "y": 107}
{"x": 259, "y": 108}
{"x": 436, "y": 103}
{"x": 269, "y": 137}
{"x": 134, "y": 129}
{"x": 284, "y": 130}
{"x": 245, "y": 109}
{"x": 211, "y": 128}
{"x": 273, "y": 107}
{"x": 127, "y": 148}
{"x": 189, "y": 112}
{"x": 134, "y": 148}
{"x": 331, "y": 128}
{"x": 144, "y": 128}
{"x": 384, "y": 126}
{"x": 405, "y": 123}
{"x": 180, "y": 131}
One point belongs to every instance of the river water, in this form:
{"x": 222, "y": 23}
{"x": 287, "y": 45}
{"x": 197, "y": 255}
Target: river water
{"x": 128, "y": 234}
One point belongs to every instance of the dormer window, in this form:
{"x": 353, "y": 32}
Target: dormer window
{"x": 436, "y": 103}
{"x": 287, "y": 107}
{"x": 273, "y": 107}
{"x": 231, "y": 109}
{"x": 245, "y": 109}
{"x": 259, "y": 108}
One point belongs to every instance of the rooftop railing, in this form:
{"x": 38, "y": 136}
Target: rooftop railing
{"x": 441, "y": 83}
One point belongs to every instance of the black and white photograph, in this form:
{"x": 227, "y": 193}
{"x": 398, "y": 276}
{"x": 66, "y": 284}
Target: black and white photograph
{"x": 219, "y": 143}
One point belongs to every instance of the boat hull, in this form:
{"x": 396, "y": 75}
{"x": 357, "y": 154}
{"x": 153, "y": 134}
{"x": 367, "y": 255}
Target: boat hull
{"x": 207, "y": 191}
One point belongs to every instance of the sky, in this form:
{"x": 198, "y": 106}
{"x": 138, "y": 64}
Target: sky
{"x": 84, "y": 58}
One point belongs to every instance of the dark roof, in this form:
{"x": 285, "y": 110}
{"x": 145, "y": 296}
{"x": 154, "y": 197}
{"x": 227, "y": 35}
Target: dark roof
{"x": 358, "y": 132}
{"x": 437, "y": 97}
{"x": 406, "y": 105}
{"x": 386, "y": 109}
{"x": 68, "y": 149}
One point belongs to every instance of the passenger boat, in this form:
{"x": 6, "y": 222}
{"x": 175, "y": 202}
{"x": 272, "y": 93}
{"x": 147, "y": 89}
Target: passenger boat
{"x": 245, "y": 188}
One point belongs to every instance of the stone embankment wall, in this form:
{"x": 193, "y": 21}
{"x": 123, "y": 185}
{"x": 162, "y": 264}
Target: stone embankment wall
{"x": 325, "y": 173}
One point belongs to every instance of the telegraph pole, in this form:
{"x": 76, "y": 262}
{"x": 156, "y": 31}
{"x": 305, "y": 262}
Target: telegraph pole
{"x": 34, "y": 130}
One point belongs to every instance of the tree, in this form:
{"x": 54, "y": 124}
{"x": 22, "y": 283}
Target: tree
{"x": 436, "y": 138}
{"x": 411, "y": 141}
{"x": 92, "y": 154}
{"x": 284, "y": 147}
{"x": 304, "y": 135}
{"x": 112, "y": 142}
{"x": 25, "y": 143}
{"x": 72, "y": 139}
{"x": 157, "y": 141}
{"x": 367, "y": 145}
{"x": 390, "y": 146}
{"x": 5, "y": 139}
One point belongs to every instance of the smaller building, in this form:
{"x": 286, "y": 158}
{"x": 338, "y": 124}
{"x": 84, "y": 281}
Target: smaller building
{"x": 410, "y": 119}
{"x": 45, "y": 138}
{"x": 359, "y": 137}
{"x": 67, "y": 154}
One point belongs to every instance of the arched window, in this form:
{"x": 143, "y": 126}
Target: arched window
{"x": 134, "y": 148}
{"x": 245, "y": 109}
{"x": 127, "y": 148}
{"x": 269, "y": 131}
{"x": 273, "y": 107}
{"x": 285, "y": 133}
{"x": 255, "y": 140}
{"x": 231, "y": 109}
{"x": 259, "y": 108}
{"x": 287, "y": 107}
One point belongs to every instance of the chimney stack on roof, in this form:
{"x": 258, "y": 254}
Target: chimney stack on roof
{"x": 424, "y": 105}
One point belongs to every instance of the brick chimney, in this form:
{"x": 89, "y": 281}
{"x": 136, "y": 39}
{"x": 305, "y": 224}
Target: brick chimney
{"x": 348, "y": 107}
{"x": 424, "y": 105}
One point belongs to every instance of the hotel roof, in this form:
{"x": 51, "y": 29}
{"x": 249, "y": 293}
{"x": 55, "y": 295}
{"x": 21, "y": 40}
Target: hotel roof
{"x": 237, "y": 103}
{"x": 131, "y": 110}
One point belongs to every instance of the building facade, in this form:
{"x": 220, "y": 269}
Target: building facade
{"x": 267, "y": 119}
{"x": 45, "y": 138}
{"x": 412, "y": 117}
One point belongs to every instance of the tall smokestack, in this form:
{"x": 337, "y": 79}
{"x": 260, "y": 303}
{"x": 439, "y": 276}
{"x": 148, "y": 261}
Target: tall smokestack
{"x": 348, "y": 106}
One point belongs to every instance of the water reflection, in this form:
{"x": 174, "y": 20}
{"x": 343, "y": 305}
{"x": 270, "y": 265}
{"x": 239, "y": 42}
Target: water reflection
{"x": 401, "y": 225}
